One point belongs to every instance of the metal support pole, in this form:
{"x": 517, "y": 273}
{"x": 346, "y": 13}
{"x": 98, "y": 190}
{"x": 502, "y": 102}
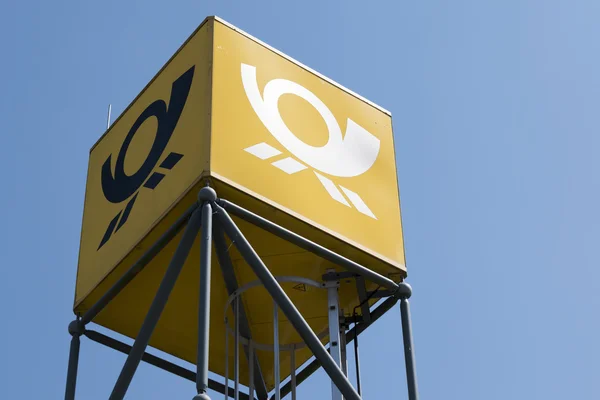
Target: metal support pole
{"x": 76, "y": 329}
{"x": 286, "y": 305}
{"x": 293, "y": 372}
{"x": 250, "y": 369}
{"x": 315, "y": 364}
{"x": 236, "y": 351}
{"x": 221, "y": 248}
{"x": 157, "y": 306}
{"x": 404, "y": 293}
{"x": 205, "y": 196}
{"x": 343, "y": 346}
{"x": 357, "y": 364}
{"x": 159, "y": 363}
{"x": 307, "y": 244}
{"x": 276, "y": 364}
{"x": 72, "y": 371}
{"x": 108, "y": 117}
{"x": 226, "y": 358}
{"x": 334, "y": 334}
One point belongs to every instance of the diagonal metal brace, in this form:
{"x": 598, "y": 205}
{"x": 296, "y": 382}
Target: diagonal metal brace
{"x": 232, "y": 285}
{"x": 286, "y": 305}
{"x": 315, "y": 364}
{"x": 159, "y": 362}
{"x": 157, "y": 306}
{"x": 306, "y": 244}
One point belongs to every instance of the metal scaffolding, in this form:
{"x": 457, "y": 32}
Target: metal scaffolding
{"x": 199, "y": 219}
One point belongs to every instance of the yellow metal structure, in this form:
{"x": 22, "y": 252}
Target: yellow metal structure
{"x": 268, "y": 134}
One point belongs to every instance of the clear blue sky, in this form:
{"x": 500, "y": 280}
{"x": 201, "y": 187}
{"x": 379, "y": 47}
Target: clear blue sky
{"x": 496, "y": 119}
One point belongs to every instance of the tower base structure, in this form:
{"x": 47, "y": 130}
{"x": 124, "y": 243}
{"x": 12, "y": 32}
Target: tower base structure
{"x": 211, "y": 218}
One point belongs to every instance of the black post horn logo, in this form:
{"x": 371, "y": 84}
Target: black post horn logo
{"x": 121, "y": 186}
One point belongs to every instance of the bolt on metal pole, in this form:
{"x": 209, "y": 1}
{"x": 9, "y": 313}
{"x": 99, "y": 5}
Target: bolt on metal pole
{"x": 157, "y": 306}
{"x": 276, "y": 376}
{"x": 286, "y": 305}
{"x": 404, "y": 293}
{"x": 205, "y": 195}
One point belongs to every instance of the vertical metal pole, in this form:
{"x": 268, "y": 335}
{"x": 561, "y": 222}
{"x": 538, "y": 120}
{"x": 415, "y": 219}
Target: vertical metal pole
{"x": 357, "y": 363}
{"x": 72, "y": 371}
{"x": 205, "y": 196}
{"x": 227, "y": 270}
{"x": 343, "y": 345}
{"x": 108, "y": 117}
{"x": 226, "y": 361}
{"x": 76, "y": 329}
{"x": 251, "y": 369}
{"x": 236, "y": 352}
{"x": 334, "y": 334}
{"x": 276, "y": 376}
{"x": 293, "y": 372}
{"x": 157, "y": 306}
{"x": 283, "y": 301}
{"x": 405, "y": 292}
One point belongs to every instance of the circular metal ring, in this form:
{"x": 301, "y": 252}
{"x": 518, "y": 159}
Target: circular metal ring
{"x": 257, "y": 283}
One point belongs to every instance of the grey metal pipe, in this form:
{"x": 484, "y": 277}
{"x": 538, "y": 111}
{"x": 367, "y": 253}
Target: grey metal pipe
{"x": 159, "y": 362}
{"x": 334, "y": 336}
{"x": 231, "y": 284}
{"x": 226, "y": 358}
{"x": 409, "y": 353}
{"x": 204, "y": 298}
{"x": 276, "y": 364}
{"x": 136, "y": 268}
{"x": 157, "y": 306}
{"x": 108, "y": 117}
{"x": 344, "y": 350}
{"x": 357, "y": 365}
{"x": 72, "y": 369}
{"x": 293, "y": 373}
{"x": 288, "y": 308}
{"x": 307, "y": 244}
{"x": 315, "y": 364}
{"x": 250, "y": 368}
{"x": 236, "y": 350}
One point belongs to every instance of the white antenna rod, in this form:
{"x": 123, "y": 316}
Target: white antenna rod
{"x": 108, "y": 118}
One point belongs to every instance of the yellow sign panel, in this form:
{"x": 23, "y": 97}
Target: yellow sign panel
{"x": 268, "y": 134}
{"x": 146, "y": 161}
{"x": 299, "y": 142}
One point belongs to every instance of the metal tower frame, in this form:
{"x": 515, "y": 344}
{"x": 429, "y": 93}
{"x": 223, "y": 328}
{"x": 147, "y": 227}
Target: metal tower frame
{"x": 199, "y": 218}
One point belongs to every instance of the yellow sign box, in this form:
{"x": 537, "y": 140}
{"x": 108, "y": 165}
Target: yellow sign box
{"x": 268, "y": 134}
{"x": 295, "y": 140}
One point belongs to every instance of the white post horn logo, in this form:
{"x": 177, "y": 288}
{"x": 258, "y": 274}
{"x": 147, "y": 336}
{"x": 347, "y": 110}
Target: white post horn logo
{"x": 345, "y": 157}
